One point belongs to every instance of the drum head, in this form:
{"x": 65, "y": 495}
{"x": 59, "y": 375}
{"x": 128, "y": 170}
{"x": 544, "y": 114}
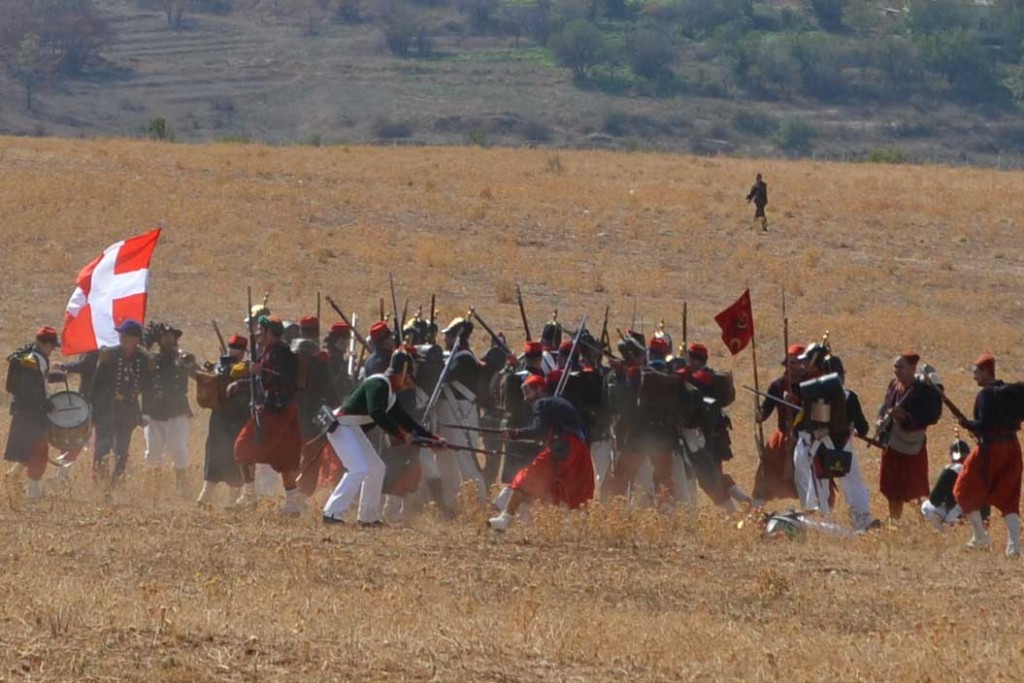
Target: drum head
{"x": 70, "y": 410}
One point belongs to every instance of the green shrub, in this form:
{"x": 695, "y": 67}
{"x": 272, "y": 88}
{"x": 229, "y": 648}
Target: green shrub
{"x": 795, "y": 136}
{"x": 159, "y": 129}
{"x": 755, "y": 122}
{"x": 888, "y": 155}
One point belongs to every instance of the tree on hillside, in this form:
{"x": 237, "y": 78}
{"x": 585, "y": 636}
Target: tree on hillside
{"x": 651, "y": 53}
{"x": 579, "y": 47}
{"x": 829, "y": 14}
{"x": 30, "y": 65}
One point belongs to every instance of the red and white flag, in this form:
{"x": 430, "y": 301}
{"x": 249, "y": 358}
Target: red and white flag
{"x": 110, "y": 289}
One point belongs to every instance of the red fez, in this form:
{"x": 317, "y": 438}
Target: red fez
{"x": 910, "y": 357}
{"x": 699, "y": 350}
{"x": 309, "y": 321}
{"x": 658, "y": 345}
{"x": 535, "y": 381}
{"x": 237, "y": 342}
{"x": 554, "y": 377}
{"x": 340, "y": 328}
{"x": 986, "y": 361}
{"x": 532, "y": 349}
{"x": 796, "y": 350}
{"x": 565, "y": 347}
{"x": 47, "y": 335}
{"x": 379, "y": 330}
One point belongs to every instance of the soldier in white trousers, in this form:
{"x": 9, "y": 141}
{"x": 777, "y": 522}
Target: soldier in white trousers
{"x": 374, "y": 403}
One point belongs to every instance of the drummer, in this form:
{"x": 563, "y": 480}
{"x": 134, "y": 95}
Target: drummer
{"x": 28, "y": 371}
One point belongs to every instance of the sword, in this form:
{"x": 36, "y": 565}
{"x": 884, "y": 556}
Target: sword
{"x": 564, "y": 379}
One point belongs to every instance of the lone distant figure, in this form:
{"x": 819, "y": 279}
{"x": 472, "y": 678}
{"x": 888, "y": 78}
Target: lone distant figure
{"x": 759, "y": 195}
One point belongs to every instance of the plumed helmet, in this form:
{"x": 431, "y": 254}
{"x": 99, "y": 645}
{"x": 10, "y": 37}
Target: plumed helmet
{"x": 256, "y": 312}
{"x": 462, "y": 327}
{"x": 415, "y": 331}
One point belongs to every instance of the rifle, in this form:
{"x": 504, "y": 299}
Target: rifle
{"x": 394, "y": 308}
{"x": 787, "y": 380}
{"x": 318, "y": 311}
{"x": 482, "y": 430}
{"x": 522, "y": 313}
{"x": 383, "y": 316}
{"x": 220, "y": 339}
{"x": 487, "y": 328}
{"x": 871, "y": 442}
{"x": 355, "y": 332}
{"x": 254, "y": 376}
{"x": 431, "y": 329}
{"x": 773, "y": 398}
{"x": 431, "y": 443}
{"x": 957, "y": 413}
{"x": 684, "y": 327}
{"x": 564, "y": 379}
{"x": 605, "y": 341}
{"x": 405, "y": 314}
{"x": 632, "y": 320}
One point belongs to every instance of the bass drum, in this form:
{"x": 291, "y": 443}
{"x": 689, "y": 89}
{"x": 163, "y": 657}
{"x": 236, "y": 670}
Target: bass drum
{"x": 70, "y": 420}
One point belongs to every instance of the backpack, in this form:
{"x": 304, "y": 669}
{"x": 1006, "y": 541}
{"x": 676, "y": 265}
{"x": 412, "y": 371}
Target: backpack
{"x": 1008, "y": 404}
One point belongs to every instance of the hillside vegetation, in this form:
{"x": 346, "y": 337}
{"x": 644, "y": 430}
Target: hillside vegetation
{"x": 932, "y": 80}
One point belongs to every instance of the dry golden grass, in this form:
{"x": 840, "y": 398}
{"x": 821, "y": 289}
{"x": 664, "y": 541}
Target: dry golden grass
{"x": 147, "y": 588}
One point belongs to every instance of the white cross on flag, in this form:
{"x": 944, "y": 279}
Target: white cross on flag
{"x": 110, "y": 289}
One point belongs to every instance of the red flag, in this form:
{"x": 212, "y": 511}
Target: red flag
{"x": 110, "y": 289}
{"x": 737, "y": 323}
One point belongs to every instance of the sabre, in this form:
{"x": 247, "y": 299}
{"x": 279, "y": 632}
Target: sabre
{"x": 437, "y": 387}
{"x": 352, "y": 347}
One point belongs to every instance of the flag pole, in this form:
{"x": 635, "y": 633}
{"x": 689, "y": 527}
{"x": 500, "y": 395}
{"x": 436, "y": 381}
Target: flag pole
{"x": 757, "y": 382}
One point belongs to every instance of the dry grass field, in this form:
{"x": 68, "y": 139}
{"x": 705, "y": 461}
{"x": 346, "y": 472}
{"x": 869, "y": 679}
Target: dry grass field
{"x": 149, "y": 588}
